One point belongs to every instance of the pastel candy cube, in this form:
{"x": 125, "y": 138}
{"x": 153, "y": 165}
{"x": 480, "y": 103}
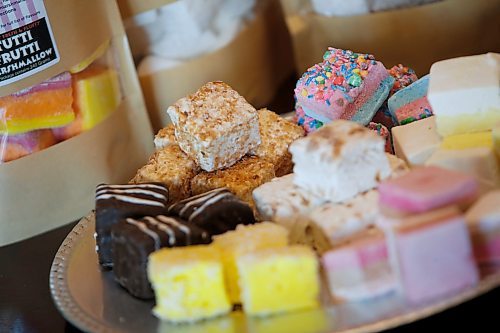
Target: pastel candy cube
{"x": 472, "y": 153}
{"x": 417, "y": 141}
{"x": 324, "y": 226}
{"x": 384, "y": 133}
{"x": 332, "y": 223}
{"x": 426, "y": 188}
{"x": 309, "y": 124}
{"x": 468, "y": 140}
{"x": 188, "y": 283}
{"x": 339, "y": 161}
{"x": 463, "y": 93}
{"x": 483, "y": 220}
{"x": 403, "y": 76}
{"x": 215, "y": 126}
{"x": 479, "y": 162}
{"x": 19, "y": 145}
{"x": 46, "y": 105}
{"x": 431, "y": 254}
{"x": 97, "y": 94}
{"x": 246, "y": 239}
{"x": 410, "y": 104}
{"x": 279, "y": 280}
{"x": 359, "y": 268}
{"x": 346, "y": 85}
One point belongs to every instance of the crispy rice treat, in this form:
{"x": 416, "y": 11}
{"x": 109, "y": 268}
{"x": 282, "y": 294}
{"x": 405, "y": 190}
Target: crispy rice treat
{"x": 215, "y": 126}
{"x": 172, "y": 167}
{"x": 165, "y": 137}
{"x": 241, "y": 179}
{"x": 276, "y": 135}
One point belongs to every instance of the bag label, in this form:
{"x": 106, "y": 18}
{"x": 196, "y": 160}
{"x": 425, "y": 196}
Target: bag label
{"x": 27, "y": 45}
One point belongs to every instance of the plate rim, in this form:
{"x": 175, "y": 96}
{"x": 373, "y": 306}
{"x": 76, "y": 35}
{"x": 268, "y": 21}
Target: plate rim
{"x": 72, "y": 312}
{"x": 64, "y": 301}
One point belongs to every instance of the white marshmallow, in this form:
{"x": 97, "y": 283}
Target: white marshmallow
{"x": 339, "y": 161}
{"x": 484, "y": 215}
{"x": 282, "y": 201}
{"x": 464, "y": 93}
{"x": 417, "y": 141}
{"x": 480, "y": 162}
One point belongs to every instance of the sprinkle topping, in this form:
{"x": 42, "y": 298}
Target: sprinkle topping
{"x": 341, "y": 70}
{"x": 403, "y": 76}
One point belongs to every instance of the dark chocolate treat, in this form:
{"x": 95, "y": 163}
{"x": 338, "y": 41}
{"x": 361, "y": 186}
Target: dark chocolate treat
{"x": 116, "y": 202}
{"x": 216, "y": 211}
{"x": 134, "y": 239}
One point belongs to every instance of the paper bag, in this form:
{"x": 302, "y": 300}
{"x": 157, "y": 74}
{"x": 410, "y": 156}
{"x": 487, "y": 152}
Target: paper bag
{"x": 56, "y": 186}
{"x": 255, "y": 63}
{"x": 415, "y": 37}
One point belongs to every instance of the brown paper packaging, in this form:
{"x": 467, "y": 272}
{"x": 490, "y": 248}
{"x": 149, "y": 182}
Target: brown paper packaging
{"x": 415, "y": 37}
{"x": 255, "y": 63}
{"x": 56, "y": 186}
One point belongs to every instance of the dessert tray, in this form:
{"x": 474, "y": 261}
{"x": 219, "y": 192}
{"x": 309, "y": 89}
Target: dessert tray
{"x": 91, "y": 300}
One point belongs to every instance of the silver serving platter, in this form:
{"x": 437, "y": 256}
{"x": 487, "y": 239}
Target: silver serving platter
{"x": 91, "y": 300}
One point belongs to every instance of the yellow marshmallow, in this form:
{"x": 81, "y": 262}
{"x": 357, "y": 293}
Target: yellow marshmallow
{"x": 246, "y": 239}
{"x": 188, "y": 283}
{"x": 278, "y": 280}
{"x": 96, "y": 93}
{"x": 468, "y": 140}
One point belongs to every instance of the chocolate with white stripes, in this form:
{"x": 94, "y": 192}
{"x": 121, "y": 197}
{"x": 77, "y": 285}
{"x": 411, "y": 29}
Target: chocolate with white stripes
{"x": 216, "y": 211}
{"x": 134, "y": 239}
{"x": 116, "y": 202}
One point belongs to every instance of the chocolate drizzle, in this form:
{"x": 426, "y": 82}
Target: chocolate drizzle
{"x": 133, "y": 240}
{"x": 140, "y": 194}
{"x": 217, "y": 211}
{"x": 117, "y": 202}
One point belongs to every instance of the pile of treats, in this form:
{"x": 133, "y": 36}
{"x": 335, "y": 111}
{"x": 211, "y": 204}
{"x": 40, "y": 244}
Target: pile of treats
{"x": 217, "y": 218}
{"x": 218, "y": 139}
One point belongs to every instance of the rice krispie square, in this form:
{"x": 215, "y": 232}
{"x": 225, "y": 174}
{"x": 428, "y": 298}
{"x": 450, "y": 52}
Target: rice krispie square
{"x": 173, "y": 168}
{"x": 276, "y": 134}
{"x": 215, "y": 126}
{"x": 241, "y": 179}
{"x": 165, "y": 137}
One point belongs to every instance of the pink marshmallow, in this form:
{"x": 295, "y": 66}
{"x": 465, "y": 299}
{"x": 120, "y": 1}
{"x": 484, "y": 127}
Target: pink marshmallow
{"x": 339, "y": 86}
{"x": 426, "y": 188}
{"x": 433, "y": 254}
{"x": 359, "y": 269}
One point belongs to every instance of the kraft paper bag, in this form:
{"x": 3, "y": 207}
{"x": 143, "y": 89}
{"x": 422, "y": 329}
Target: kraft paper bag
{"x": 56, "y": 186}
{"x": 254, "y": 63}
{"x": 416, "y": 36}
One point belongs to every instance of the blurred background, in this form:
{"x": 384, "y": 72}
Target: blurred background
{"x": 261, "y": 47}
